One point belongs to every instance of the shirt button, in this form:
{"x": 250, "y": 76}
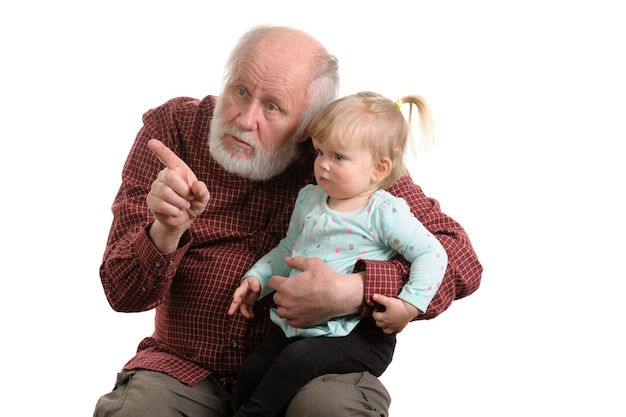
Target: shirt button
{"x": 234, "y": 343}
{"x": 157, "y": 264}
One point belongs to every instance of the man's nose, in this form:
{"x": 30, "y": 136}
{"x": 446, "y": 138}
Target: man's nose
{"x": 249, "y": 115}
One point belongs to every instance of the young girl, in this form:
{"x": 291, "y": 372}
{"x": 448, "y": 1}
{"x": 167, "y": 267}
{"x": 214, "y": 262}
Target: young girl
{"x": 360, "y": 142}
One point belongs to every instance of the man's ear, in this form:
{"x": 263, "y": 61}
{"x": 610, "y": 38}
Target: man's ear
{"x": 382, "y": 168}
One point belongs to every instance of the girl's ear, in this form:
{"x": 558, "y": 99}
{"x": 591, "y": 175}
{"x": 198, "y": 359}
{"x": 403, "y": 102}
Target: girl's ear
{"x": 382, "y": 168}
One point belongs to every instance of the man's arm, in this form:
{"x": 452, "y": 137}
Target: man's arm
{"x": 464, "y": 270}
{"x": 318, "y": 293}
{"x": 175, "y": 199}
{"x": 141, "y": 256}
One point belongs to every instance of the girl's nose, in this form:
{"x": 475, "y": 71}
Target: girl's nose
{"x": 323, "y": 161}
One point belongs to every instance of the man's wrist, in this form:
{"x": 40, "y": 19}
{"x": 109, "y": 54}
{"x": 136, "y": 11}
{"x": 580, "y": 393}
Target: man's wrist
{"x": 164, "y": 241}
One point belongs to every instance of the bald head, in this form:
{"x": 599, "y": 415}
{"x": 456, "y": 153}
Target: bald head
{"x": 299, "y": 55}
{"x": 282, "y": 41}
{"x": 290, "y": 39}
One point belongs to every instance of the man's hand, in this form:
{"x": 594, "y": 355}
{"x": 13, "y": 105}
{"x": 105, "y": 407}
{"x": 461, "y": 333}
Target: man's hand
{"x": 176, "y": 198}
{"x": 398, "y": 313}
{"x": 317, "y": 293}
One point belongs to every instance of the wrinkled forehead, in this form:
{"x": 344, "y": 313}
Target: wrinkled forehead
{"x": 273, "y": 72}
{"x": 273, "y": 60}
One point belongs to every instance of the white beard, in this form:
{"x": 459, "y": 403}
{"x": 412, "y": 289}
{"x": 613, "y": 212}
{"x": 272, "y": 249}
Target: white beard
{"x": 262, "y": 165}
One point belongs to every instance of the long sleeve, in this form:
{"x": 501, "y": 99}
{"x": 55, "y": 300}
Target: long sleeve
{"x": 134, "y": 274}
{"x": 398, "y": 228}
{"x": 464, "y": 271}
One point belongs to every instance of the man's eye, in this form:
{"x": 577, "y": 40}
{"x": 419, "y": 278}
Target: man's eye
{"x": 272, "y": 107}
{"x": 241, "y": 91}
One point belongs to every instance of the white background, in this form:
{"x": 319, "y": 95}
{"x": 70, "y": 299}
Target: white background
{"x": 530, "y": 101}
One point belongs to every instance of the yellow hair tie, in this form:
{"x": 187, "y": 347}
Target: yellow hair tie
{"x": 399, "y": 103}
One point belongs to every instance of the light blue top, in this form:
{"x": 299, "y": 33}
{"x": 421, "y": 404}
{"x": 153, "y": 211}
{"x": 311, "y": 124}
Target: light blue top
{"x": 381, "y": 229}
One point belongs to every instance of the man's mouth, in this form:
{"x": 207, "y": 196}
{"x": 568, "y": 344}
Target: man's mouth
{"x": 238, "y": 142}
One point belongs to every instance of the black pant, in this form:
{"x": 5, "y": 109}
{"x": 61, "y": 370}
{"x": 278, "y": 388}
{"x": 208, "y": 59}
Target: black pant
{"x": 280, "y": 366}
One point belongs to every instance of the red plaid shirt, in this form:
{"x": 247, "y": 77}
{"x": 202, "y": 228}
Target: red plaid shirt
{"x": 191, "y": 288}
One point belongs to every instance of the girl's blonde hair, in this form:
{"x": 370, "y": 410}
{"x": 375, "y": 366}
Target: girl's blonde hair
{"x": 372, "y": 120}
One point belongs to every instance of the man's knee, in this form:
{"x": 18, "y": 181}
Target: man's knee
{"x": 155, "y": 394}
{"x": 358, "y": 393}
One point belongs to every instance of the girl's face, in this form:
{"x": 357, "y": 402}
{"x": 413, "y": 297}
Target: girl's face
{"x": 344, "y": 172}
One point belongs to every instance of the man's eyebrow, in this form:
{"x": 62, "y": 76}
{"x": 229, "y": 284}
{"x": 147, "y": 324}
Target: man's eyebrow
{"x": 279, "y": 97}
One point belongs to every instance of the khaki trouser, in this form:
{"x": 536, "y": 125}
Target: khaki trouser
{"x": 144, "y": 393}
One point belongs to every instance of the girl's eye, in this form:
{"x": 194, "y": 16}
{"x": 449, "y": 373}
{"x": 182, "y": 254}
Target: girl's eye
{"x": 338, "y": 157}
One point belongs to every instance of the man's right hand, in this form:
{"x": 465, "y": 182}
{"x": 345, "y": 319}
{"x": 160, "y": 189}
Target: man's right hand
{"x": 176, "y": 198}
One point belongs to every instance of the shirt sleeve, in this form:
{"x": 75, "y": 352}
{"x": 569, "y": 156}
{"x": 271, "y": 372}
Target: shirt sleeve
{"x": 134, "y": 274}
{"x": 464, "y": 270}
{"x": 405, "y": 234}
